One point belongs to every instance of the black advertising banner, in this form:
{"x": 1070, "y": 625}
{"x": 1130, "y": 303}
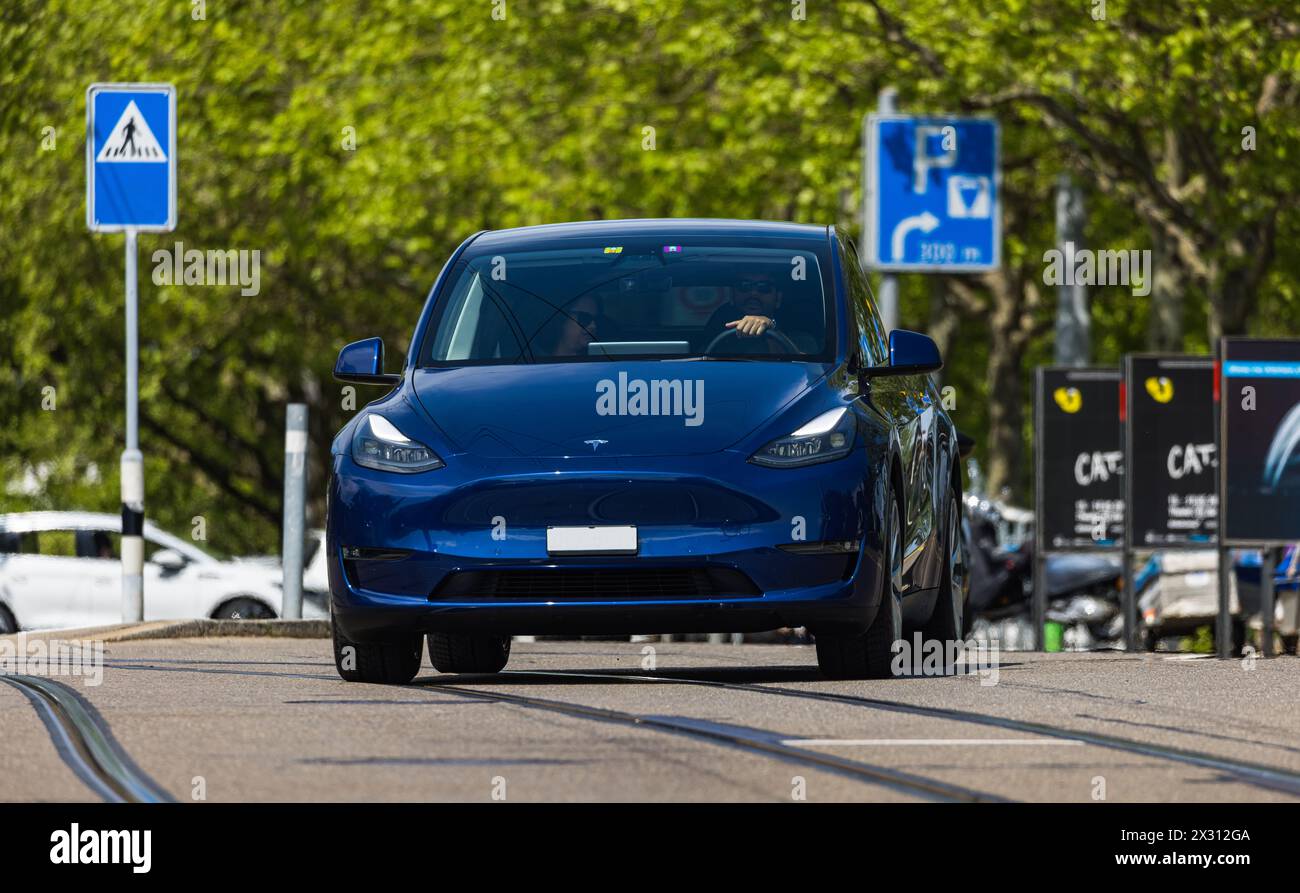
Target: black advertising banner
{"x": 1260, "y": 445}
{"x": 1171, "y": 461}
{"x": 1079, "y": 458}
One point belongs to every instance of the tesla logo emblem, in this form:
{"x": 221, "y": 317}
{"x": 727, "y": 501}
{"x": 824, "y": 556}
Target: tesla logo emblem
{"x": 596, "y": 444}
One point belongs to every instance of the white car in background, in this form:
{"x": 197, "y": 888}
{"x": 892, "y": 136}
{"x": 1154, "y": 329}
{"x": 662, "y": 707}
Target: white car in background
{"x": 62, "y": 569}
{"x": 315, "y": 575}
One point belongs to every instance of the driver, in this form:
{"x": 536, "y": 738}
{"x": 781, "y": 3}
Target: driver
{"x": 755, "y": 298}
{"x": 103, "y": 545}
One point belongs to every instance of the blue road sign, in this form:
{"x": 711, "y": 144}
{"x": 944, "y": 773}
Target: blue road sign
{"x": 131, "y": 157}
{"x": 933, "y": 194}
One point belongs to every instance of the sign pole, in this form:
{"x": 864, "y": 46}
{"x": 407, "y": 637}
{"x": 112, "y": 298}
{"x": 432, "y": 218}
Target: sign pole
{"x": 1267, "y": 598}
{"x": 295, "y": 501}
{"x": 1128, "y": 598}
{"x": 1073, "y": 322}
{"x": 1127, "y": 595}
{"x": 886, "y": 105}
{"x": 1223, "y": 623}
{"x": 1038, "y": 605}
{"x": 131, "y": 188}
{"x": 1037, "y": 593}
{"x": 1223, "y": 619}
{"x": 132, "y": 459}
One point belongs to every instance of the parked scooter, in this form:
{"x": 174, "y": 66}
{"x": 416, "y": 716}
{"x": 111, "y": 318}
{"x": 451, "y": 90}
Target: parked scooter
{"x": 1082, "y": 589}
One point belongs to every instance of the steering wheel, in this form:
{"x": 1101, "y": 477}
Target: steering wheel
{"x": 779, "y": 337}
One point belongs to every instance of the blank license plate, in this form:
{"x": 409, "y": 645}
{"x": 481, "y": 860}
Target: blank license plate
{"x": 591, "y": 540}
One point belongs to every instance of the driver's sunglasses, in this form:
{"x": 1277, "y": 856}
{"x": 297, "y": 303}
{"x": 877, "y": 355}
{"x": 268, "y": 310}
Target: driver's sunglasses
{"x": 583, "y": 318}
{"x": 762, "y": 286}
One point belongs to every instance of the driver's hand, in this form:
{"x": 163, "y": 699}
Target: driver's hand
{"x": 751, "y": 325}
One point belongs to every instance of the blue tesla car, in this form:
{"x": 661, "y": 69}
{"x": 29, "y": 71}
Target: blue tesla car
{"x": 645, "y": 426}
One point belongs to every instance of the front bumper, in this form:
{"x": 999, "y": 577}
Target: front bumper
{"x": 414, "y": 540}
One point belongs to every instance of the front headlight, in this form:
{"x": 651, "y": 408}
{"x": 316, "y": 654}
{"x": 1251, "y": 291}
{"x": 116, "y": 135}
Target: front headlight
{"x": 378, "y": 444}
{"x": 827, "y": 437}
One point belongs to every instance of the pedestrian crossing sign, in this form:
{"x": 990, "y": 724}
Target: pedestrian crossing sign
{"x": 131, "y": 157}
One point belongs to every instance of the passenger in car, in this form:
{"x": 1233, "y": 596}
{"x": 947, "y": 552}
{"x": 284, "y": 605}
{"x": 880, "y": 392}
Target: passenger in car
{"x": 575, "y": 326}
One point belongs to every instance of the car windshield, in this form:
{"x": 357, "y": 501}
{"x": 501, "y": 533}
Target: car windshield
{"x": 633, "y": 298}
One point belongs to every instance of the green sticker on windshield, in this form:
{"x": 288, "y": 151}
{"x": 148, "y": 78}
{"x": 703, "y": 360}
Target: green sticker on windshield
{"x": 614, "y": 249}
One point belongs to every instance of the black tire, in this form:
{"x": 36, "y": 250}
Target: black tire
{"x": 387, "y": 663}
{"x": 243, "y": 608}
{"x": 7, "y": 623}
{"x": 948, "y": 621}
{"x": 467, "y": 653}
{"x": 870, "y": 654}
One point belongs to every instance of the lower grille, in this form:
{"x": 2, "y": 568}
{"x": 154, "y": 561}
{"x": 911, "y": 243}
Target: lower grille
{"x": 556, "y": 584}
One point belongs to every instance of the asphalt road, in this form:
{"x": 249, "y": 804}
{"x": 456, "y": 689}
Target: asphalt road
{"x": 246, "y": 719}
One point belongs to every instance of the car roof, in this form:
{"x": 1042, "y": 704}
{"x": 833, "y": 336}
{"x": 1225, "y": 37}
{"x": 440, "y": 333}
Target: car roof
{"x": 667, "y": 226}
{"x": 26, "y": 522}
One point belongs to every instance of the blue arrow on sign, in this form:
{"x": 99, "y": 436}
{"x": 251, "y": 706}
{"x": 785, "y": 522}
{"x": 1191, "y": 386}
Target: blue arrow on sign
{"x": 131, "y": 157}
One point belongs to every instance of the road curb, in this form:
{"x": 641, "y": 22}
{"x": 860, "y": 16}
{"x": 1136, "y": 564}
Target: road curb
{"x": 185, "y": 629}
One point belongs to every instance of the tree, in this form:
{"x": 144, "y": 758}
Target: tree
{"x": 1153, "y": 105}
{"x": 355, "y": 144}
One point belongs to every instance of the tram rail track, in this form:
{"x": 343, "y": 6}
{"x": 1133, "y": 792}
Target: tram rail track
{"x": 1257, "y": 774}
{"x": 745, "y": 738}
{"x": 85, "y": 742}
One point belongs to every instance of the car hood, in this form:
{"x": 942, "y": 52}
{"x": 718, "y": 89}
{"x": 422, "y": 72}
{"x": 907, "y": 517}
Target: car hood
{"x": 633, "y": 408}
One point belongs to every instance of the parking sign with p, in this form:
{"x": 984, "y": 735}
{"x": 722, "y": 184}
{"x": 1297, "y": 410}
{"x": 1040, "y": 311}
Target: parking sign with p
{"x": 933, "y": 194}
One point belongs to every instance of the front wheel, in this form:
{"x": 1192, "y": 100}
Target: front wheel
{"x": 243, "y": 608}
{"x": 869, "y": 655}
{"x": 393, "y": 662}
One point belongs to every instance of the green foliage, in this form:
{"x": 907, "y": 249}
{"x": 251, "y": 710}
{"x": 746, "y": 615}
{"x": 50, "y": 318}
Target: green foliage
{"x": 464, "y": 122}
{"x": 1200, "y": 642}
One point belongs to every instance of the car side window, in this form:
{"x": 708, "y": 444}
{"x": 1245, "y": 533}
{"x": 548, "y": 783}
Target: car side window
{"x": 97, "y": 544}
{"x": 58, "y": 543}
{"x": 13, "y": 543}
{"x": 870, "y": 329}
{"x": 875, "y": 322}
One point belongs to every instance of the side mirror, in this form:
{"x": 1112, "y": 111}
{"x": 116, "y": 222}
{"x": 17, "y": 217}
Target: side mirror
{"x": 965, "y": 445}
{"x": 169, "y": 560}
{"x": 910, "y": 353}
{"x": 363, "y": 362}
